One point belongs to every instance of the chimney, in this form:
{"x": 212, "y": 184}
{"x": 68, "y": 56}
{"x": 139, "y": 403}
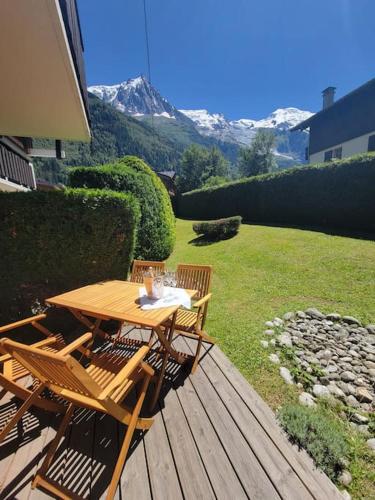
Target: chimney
{"x": 328, "y": 97}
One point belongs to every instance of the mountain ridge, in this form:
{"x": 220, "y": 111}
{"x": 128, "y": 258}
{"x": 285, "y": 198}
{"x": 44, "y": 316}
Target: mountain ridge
{"x": 138, "y": 98}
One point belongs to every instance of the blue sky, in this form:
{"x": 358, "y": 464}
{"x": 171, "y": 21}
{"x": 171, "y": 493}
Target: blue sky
{"x": 243, "y": 58}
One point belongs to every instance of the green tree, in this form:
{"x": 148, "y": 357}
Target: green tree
{"x": 215, "y": 180}
{"x": 258, "y": 158}
{"x": 198, "y": 164}
{"x": 193, "y": 162}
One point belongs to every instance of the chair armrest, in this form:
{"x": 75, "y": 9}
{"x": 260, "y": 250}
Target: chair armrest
{"x": 203, "y": 300}
{"x": 126, "y": 372}
{"x": 22, "y": 322}
{"x": 76, "y": 344}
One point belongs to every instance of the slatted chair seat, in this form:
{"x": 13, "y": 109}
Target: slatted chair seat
{"x": 12, "y": 372}
{"x": 102, "y": 386}
{"x": 185, "y": 320}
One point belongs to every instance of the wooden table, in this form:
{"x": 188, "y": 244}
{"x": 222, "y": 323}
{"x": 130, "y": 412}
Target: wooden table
{"x": 119, "y": 300}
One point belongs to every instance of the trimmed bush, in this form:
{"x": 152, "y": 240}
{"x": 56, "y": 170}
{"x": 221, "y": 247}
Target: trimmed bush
{"x": 218, "y": 229}
{"x": 321, "y": 436}
{"x": 336, "y": 194}
{"x": 156, "y": 233}
{"x": 55, "y": 241}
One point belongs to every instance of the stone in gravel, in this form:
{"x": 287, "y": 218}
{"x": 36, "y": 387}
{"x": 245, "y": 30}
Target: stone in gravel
{"x": 333, "y": 316}
{"x": 302, "y": 315}
{"x": 345, "y": 478}
{"x": 274, "y": 358}
{"x": 286, "y": 375}
{"x": 348, "y": 376}
{"x": 363, "y": 429}
{"x": 269, "y": 332}
{"x": 351, "y": 401}
{"x": 351, "y": 320}
{"x": 369, "y": 364}
{"x": 346, "y": 359}
{"x": 346, "y": 495}
{"x": 273, "y": 342}
{"x": 264, "y": 343}
{"x": 371, "y": 443}
{"x": 269, "y": 324}
{"x": 363, "y": 395}
{"x": 336, "y": 391}
{"x": 278, "y": 322}
{"x": 314, "y": 313}
{"x": 288, "y": 316}
{"x": 371, "y": 329}
{"x": 320, "y": 391}
{"x": 359, "y": 419}
{"x": 371, "y": 372}
{"x": 284, "y": 339}
{"x": 306, "y": 399}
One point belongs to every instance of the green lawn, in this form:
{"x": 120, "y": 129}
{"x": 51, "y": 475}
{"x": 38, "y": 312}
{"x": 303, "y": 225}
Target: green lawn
{"x": 264, "y": 272}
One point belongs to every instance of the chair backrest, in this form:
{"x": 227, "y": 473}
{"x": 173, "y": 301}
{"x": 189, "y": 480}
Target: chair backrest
{"x": 56, "y": 371}
{"x": 140, "y": 266}
{"x": 195, "y": 278}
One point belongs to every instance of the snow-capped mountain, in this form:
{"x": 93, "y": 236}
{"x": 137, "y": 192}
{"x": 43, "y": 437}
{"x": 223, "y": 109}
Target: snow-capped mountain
{"x": 242, "y": 131}
{"x": 136, "y": 97}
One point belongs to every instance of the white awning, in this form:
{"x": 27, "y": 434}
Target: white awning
{"x": 39, "y": 90}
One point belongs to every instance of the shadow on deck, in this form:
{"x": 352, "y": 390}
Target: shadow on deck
{"x": 213, "y": 437}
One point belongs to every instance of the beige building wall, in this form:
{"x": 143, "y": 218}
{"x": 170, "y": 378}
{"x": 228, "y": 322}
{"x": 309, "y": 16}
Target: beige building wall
{"x": 349, "y": 148}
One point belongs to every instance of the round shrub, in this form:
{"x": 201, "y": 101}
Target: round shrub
{"x": 218, "y": 229}
{"x": 51, "y": 242}
{"x": 156, "y": 231}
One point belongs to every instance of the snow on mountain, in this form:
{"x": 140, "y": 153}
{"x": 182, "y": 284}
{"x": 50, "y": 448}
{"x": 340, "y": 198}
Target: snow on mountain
{"x": 242, "y": 131}
{"x": 136, "y": 97}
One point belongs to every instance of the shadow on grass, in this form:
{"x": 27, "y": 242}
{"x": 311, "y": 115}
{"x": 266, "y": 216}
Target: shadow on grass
{"x": 331, "y": 231}
{"x": 203, "y": 241}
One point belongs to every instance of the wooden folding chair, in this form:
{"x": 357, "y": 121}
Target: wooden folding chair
{"x": 102, "y": 386}
{"x": 191, "y": 323}
{"x": 140, "y": 266}
{"x": 12, "y": 372}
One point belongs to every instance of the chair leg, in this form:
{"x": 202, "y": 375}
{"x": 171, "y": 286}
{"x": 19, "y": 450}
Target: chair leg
{"x": 2, "y": 393}
{"x": 127, "y": 440}
{"x": 19, "y": 414}
{"x": 53, "y": 447}
{"x": 196, "y": 358}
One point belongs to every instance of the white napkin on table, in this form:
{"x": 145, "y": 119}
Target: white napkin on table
{"x": 172, "y": 297}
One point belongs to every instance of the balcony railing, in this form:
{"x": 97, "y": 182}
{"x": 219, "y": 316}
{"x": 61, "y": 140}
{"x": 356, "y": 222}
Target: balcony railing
{"x": 15, "y": 166}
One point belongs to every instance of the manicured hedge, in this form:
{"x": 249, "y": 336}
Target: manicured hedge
{"x": 218, "y": 229}
{"x": 337, "y": 194}
{"x": 156, "y": 233}
{"x": 51, "y": 242}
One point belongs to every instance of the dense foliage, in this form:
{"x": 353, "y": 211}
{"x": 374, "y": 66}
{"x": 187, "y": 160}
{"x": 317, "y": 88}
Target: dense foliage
{"x": 218, "y": 229}
{"x": 156, "y": 233}
{"x": 258, "y": 158}
{"x": 335, "y": 194}
{"x": 51, "y": 242}
{"x": 198, "y": 165}
{"x": 321, "y": 436}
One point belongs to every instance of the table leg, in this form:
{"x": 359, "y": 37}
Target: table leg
{"x": 166, "y": 341}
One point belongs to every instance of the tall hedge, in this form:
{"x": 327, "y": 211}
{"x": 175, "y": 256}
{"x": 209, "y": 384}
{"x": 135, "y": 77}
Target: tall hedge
{"x": 51, "y": 242}
{"x": 156, "y": 233}
{"x": 337, "y": 194}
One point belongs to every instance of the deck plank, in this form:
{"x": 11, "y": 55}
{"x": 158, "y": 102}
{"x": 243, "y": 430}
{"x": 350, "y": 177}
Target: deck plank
{"x": 317, "y": 482}
{"x": 161, "y": 467}
{"x": 213, "y": 437}
{"x": 192, "y": 474}
{"x": 275, "y": 466}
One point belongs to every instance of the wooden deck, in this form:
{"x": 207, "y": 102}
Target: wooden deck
{"x": 213, "y": 437}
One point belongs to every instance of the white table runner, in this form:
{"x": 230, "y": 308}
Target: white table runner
{"x": 172, "y": 297}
